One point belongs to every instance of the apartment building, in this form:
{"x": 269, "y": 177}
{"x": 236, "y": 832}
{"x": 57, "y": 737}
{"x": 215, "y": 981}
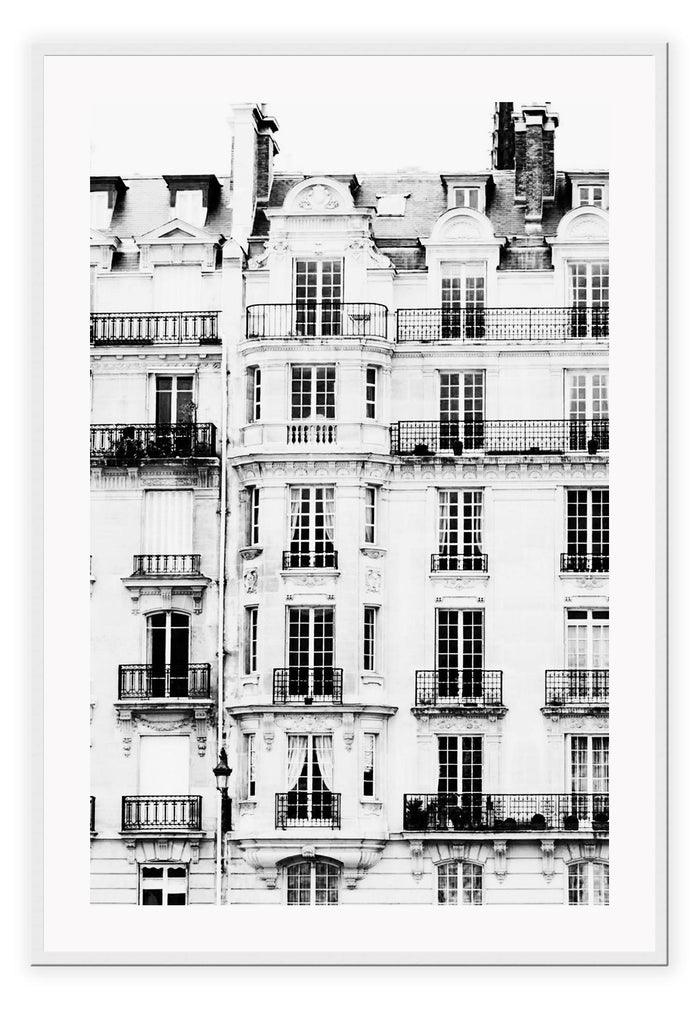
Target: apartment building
{"x": 377, "y": 407}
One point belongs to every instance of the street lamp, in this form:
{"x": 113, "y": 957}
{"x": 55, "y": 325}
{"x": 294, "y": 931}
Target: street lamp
{"x": 223, "y": 772}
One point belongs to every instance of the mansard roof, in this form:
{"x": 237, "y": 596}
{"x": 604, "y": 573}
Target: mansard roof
{"x": 145, "y": 206}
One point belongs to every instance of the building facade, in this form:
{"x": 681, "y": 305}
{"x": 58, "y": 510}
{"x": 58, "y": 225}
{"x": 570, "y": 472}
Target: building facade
{"x": 350, "y": 487}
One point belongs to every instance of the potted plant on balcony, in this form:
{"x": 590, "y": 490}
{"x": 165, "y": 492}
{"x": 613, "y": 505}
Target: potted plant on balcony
{"x": 538, "y": 821}
{"x": 457, "y": 447}
{"x": 416, "y": 815}
{"x": 421, "y": 449}
{"x": 570, "y": 822}
{"x": 459, "y": 818}
{"x": 600, "y": 820}
{"x": 510, "y": 825}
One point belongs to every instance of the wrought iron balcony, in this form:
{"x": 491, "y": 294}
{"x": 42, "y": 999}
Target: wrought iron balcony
{"x": 430, "y": 438}
{"x": 303, "y": 432}
{"x": 317, "y": 320}
{"x": 143, "y": 682}
{"x": 505, "y": 812}
{"x": 512, "y": 324}
{"x": 580, "y": 687}
{"x": 308, "y": 685}
{"x": 457, "y": 687}
{"x": 309, "y": 560}
{"x": 191, "y": 328}
{"x": 304, "y": 810}
{"x": 459, "y": 563}
{"x": 129, "y": 444}
{"x": 151, "y": 813}
{"x": 584, "y": 563}
{"x": 167, "y": 565}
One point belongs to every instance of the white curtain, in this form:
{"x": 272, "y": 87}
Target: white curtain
{"x": 295, "y": 516}
{"x": 326, "y": 496}
{"x": 323, "y": 752}
{"x": 297, "y": 754}
{"x": 445, "y": 499}
{"x": 477, "y": 521}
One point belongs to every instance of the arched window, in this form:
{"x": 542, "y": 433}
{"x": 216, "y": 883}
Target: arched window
{"x": 168, "y": 653}
{"x": 587, "y": 883}
{"x": 458, "y": 883}
{"x": 312, "y": 883}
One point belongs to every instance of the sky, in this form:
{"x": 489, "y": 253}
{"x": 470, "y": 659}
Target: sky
{"x": 342, "y": 114}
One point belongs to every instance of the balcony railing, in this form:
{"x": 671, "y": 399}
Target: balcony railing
{"x": 453, "y": 687}
{"x": 584, "y": 563}
{"x": 92, "y": 814}
{"x": 459, "y": 563}
{"x": 167, "y": 565}
{"x": 144, "y": 682}
{"x": 478, "y": 323}
{"x": 318, "y": 320}
{"x": 505, "y": 812}
{"x": 429, "y": 438}
{"x": 128, "y": 444}
{"x": 309, "y": 560}
{"x": 150, "y": 813}
{"x": 191, "y": 328}
{"x": 576, "y": 686}
{"x": 304, "y": 810}
{"x": 307, "y": 685}
{"x": 303, "y": 432}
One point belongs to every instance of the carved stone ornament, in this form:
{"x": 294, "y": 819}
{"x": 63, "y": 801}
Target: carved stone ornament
{"x": 348, "y": 730}
{"x": 309, "y": 723}
{"x": 358, "y": 862}
{"x": 147, "y": 851}
{"x": 318, "y": 197}
{"x": 248, "y": 554}
{"x": 264, "y": 863}
{"x": 547, "y": 850}
{"x": 371, "y": 552}
{"x": 251, "y": 579}
{"x": 417, "y": 855}
{"x": 201, "y": 722}
{"x": 500, "y": 858}
{"x": 125, "y": 720}
{"x": 268, "y": 730}
{"x": 374, "y": 580}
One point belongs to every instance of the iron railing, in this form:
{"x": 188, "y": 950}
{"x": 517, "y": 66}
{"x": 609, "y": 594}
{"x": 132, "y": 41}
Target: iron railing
{"x": 308, "y": 685}
{"x": 303, "y": 432}
{"x": 428, "y": 438}
{"x": 128, "y": 444}
{"x": 318, "y": 319}
{"x": 144, "y": 682}
{"x": 576, "y": 686}
{"x": 473, "y": 687}
{"x": 584, "y": 563}
{"x": 142, "y": 813}
{"x": 513, "y": 324}
{"x": 302, "y": 810}
{"x": 309, "y": 560}
{"x": 92, "y": 814}
{"x": 167, "y": 565}
{"x": 191, "y": 328}
{"x": 506, "y": 812}
{"x": 459, "y": 563}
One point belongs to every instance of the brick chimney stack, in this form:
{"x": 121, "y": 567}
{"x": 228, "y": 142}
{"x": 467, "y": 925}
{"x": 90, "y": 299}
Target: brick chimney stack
{"x": 503, "y": 137}
{"x": 253, "y": 148}
{"x": 534, "y": 161}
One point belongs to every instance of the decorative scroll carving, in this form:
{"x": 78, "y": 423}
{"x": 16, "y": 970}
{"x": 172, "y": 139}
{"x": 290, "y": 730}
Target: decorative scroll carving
{"x": 251, "y": 579}
{"x": 417, "y": 855}
{"x": 125, "y": 720}
{"x": 201, "y": 723}
{"x": 500, "y": 858}
{"x": 318, "y": 197}
{"x": 348, "y": 730}
{"x": 547, "y": 849}
{"x": 268, "y": 730}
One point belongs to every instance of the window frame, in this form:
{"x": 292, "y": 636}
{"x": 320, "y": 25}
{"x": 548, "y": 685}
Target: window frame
{"x": 251, "y": 640}
{"x": 252, "y": 517}
{"x": 596, "y": 878}
{"x": 165, "y": 867}
{"x": 312, "y": 393}
{"x": 371, "y": 735}
{"x": 253, "y": 394}
{"x": 477, "y": 871}
{"x": 370, "y": 610}
{"x": 312, "y": 863}
{"x": 371, "y": 502}
{"x": 250, "y": 766}
{"x": 372, "y": 391}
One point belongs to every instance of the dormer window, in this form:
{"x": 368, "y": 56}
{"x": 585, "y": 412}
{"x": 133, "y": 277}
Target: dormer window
{"x": 591, "y": 195}
{"x": 589, "y": 188}
{"x": 467, "y": 197}
{"x": 467, "y": 191}
{"x": 192, "y": 196}
{"x": 189, "y": 207}
{"x": 391, "y": 206}
{"x": 104, "y": 194}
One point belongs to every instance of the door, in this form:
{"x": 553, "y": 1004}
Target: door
{"x": 311, "y": 527}
{"x": 462, "y": 301}
{"x": 460, "y": 654}
{"x": 587, "y": 653}
{"x": 462, "y": 410}
{"x": 587, "y": 409}
{"x": 310, "y": 778}
{"x": 460, "y": 777}
{"x": 589, "y": 775}
{"x": 587, "y": 530}
{"x": 175, "y": 414}
{"x": 310, "y": 646}
{"x": 168, "y": 654}
{"x": 588, "y": 286}
{"x": 318, "y": 297}
{"x": 460, "y": 531}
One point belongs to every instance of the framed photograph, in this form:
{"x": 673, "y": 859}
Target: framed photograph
{"x": 371, "y": 668}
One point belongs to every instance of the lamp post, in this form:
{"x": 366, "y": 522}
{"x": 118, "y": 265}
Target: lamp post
{"x": 223, "y": 772}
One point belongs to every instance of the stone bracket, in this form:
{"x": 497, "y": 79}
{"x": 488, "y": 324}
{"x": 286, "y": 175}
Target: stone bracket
{"x": 547, "y": 849}
{"x": 500, "y": 858}
{"x": 417, "y": 855}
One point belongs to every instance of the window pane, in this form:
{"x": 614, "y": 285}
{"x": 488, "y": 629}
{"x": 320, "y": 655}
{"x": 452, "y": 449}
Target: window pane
{"x": 447, "y": 884}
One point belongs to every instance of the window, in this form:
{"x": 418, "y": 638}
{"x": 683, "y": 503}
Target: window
{"x": 460, "y": 653}
{"x": 587, "y": 638}
{"x": 250, "y": 767}
{"x": 370, "y": 660}
{"x": 168, "y": 654}
{"x": 318, "y": 295}
{"x": 189, "y": 206}
{"x": 460, "y": 531}
{"x": 369, "y": 765}
{"x": 311, "y": 528}
{"x": 462, "y": 300}
{"x": 587, "y": 531}
{"x": 168, "y": 520}
{"x": 371, "y": 391}
{"x": 311, "y": 651}
{"x": 462, "y": 410}
{"x": 312, "y": 883}
{"x": 309, "y": 778}
{"x": 252, "y": 523}
{"x": 371, "y": 518}
{"x": 100, "y": 211}
{"x": 587, "y": 883}
{"x": 163, "y": 886}
{"x": 458, "y": 883}
{"x": 587, "y": 409}
{"x": 466, "y": 197}
{"x": 391, "y": 206}
{"x": 174, "y": 400}
{"x": 589, "y": 764}
{"x": 588, "y": 286}
{"x": 254, "y": 394}
{"x": 250, "y": 640}
{"x": 313, "y": 392}
{"x": 591, "y": 195}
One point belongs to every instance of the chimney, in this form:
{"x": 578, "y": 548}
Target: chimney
{"x": 534, "y": 160}
{"x": 253, "y": 148}
{"x": 503, "y": 137}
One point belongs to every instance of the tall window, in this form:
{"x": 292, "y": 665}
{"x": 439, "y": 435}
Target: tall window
{"x": 462, "y": 300}
{"x": 311, "y": 651}
{"x": 587, "y": 638}
{"x": 174, "y": 400}
{"x": 588, "y": 286}
{"x": 370, "y": 746}
{"x": 168, "y": 653}
{"x": 587, "y": 530}
{"x": 587, "y": 883}
{"x": 460, "y": 774}
{"x": 250, "y": 766}
{"x": 370, "y": 660}
{"x": 311, "y": 528}
{"x": 254, "y": 393}
{"x": 252, "y": 523}
{"x": 588, "y": 767}
{"x": 163, "y": 886}
{"x": 371, "y": 392}
{"x": 462, "y": 410}
{"x": 460, "y": 652}
{"x": 312, "y": 883}
{"x": 318, "y": 297}
{"x": 587, "y": 408}
{"x": 309, "y": 779}
{"x": 460, "y": 531}
{"x": 250, "y": 639}
{"x": 458, "y": 883}
{"x": 313, "y": 392}
{"x": 371, "y": 515}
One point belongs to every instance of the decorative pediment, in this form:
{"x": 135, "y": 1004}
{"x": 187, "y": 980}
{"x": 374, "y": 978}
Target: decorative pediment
{"x": 178, "y": 242}
{"x": 319, "y": 195}
{"x": 185, "y": 232}
{"x": 103, "y": 245}
{"x": 585, "y": 224}
{"x": 461, "y": 225}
